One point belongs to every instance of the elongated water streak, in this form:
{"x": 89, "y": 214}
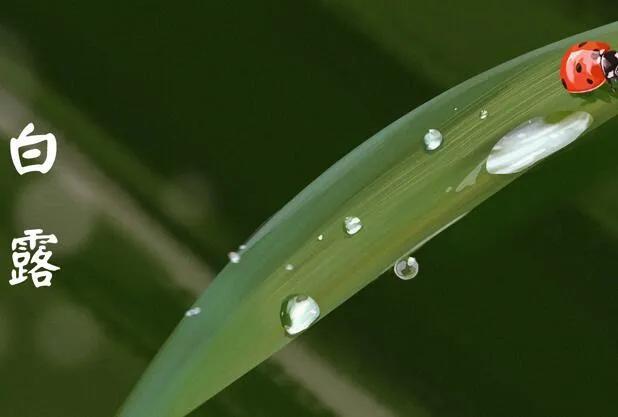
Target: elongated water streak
{"x": 535, "y": 140}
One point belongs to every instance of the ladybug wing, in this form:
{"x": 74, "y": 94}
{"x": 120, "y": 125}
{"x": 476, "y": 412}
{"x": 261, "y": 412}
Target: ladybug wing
{"x": 580, "y": 70}
{"x": 591, "y": 46}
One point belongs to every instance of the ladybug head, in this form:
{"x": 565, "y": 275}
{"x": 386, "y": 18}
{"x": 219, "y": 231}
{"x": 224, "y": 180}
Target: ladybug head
{"x": 581, "y": 70}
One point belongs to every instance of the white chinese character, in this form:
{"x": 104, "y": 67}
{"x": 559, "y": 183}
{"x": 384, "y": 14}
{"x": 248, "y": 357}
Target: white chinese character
{"x": 40, "y": 270}
{"x": 26, "y": 141}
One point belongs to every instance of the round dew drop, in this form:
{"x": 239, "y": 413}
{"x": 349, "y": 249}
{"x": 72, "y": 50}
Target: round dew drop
{"x": 234, "y": 257}
{"x": 406, "y": 268}
{"x": 298, "y": 313}
{"x": 193, "y": 312}
{"x": 433, "y": 139}
{"x": 352, "y": 225}
{"x": 289, "y": 267}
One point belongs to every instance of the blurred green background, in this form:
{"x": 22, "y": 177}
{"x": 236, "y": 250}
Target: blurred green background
{"x": 183, "y": 126}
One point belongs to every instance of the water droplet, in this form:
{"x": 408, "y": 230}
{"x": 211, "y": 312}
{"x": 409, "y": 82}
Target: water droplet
{"x": 193, "y": 312}
{"x": 298, "y": 313}
{"x": 242, "y": 247}
{"x": 406, "y": 268}
{"x": 352, "y": 225}
{"x": 234, "y": 257}
{"x": 433, "y": 139}
{"x": 514, "y": 152}
{"x": 484, "y": 113}
{"x": 289, "y": 267}
{"x": 449, "y": 189}
{"x": 455, "y": 108}
{"x": 321, "y": 237}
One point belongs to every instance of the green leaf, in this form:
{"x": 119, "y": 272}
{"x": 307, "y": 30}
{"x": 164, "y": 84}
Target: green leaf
{"x": 397, "y": 189}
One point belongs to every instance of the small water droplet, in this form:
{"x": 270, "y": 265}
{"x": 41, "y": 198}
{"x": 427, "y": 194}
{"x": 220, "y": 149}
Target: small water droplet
{"x": 193, "y": 312}
{"x": 455, "y": 108}
{"x": 433, "y": 139}
{"x": 484, "y": 113}
{"x": 352, "y": 225}
{"x": 234, "y": 257}
{"x": 321, "y": 237}
{"x": 406, "y": 268}
{"x": 298, "y": 313}
{"x": 242, "y": 247}
{"x": 289, "y": 267}
{"x": 449, "y": 189}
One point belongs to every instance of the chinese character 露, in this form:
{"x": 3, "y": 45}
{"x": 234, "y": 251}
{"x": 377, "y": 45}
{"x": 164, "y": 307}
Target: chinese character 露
{"x": 30, "y": 151}
{"x": 35, "y": 264}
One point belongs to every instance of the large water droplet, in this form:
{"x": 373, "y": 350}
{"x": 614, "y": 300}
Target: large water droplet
{"x": 432, "y": 139}
{"x": 352, "y": 225}
{"x": 483, "y": 114}
{"x": 406, "y": 268}
{"x": 535, "y": 140}
{"x": 193, "y": 312}
{"x": 234, "y": 257}
{"x": 298, "y": 313}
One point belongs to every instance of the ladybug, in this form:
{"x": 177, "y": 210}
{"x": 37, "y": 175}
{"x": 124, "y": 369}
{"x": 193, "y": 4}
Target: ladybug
{"x": 587, "y": 66}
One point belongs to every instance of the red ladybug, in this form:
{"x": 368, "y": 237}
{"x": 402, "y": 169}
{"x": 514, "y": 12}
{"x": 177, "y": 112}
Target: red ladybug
{"x": 587, "y": 66}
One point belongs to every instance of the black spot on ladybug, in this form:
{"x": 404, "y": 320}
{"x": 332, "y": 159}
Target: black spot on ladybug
{"x": 564, "y": 83}
{"x": 578, "y": 67}
{"x": 582, "y": 44}
{"x": 589, "y": 81}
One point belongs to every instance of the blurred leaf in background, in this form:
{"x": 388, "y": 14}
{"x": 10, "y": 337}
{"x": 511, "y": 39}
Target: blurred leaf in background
{"x": 183, "y": 127}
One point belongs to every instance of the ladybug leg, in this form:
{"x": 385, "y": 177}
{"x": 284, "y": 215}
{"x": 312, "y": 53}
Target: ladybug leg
{"x": 612, "y": 83}
{"x": 612, "y": 80}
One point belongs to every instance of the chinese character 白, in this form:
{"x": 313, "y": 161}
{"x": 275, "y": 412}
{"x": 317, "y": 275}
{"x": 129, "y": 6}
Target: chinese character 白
{"x": 37, "y": 263}
{"x": 32, "y": 152}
